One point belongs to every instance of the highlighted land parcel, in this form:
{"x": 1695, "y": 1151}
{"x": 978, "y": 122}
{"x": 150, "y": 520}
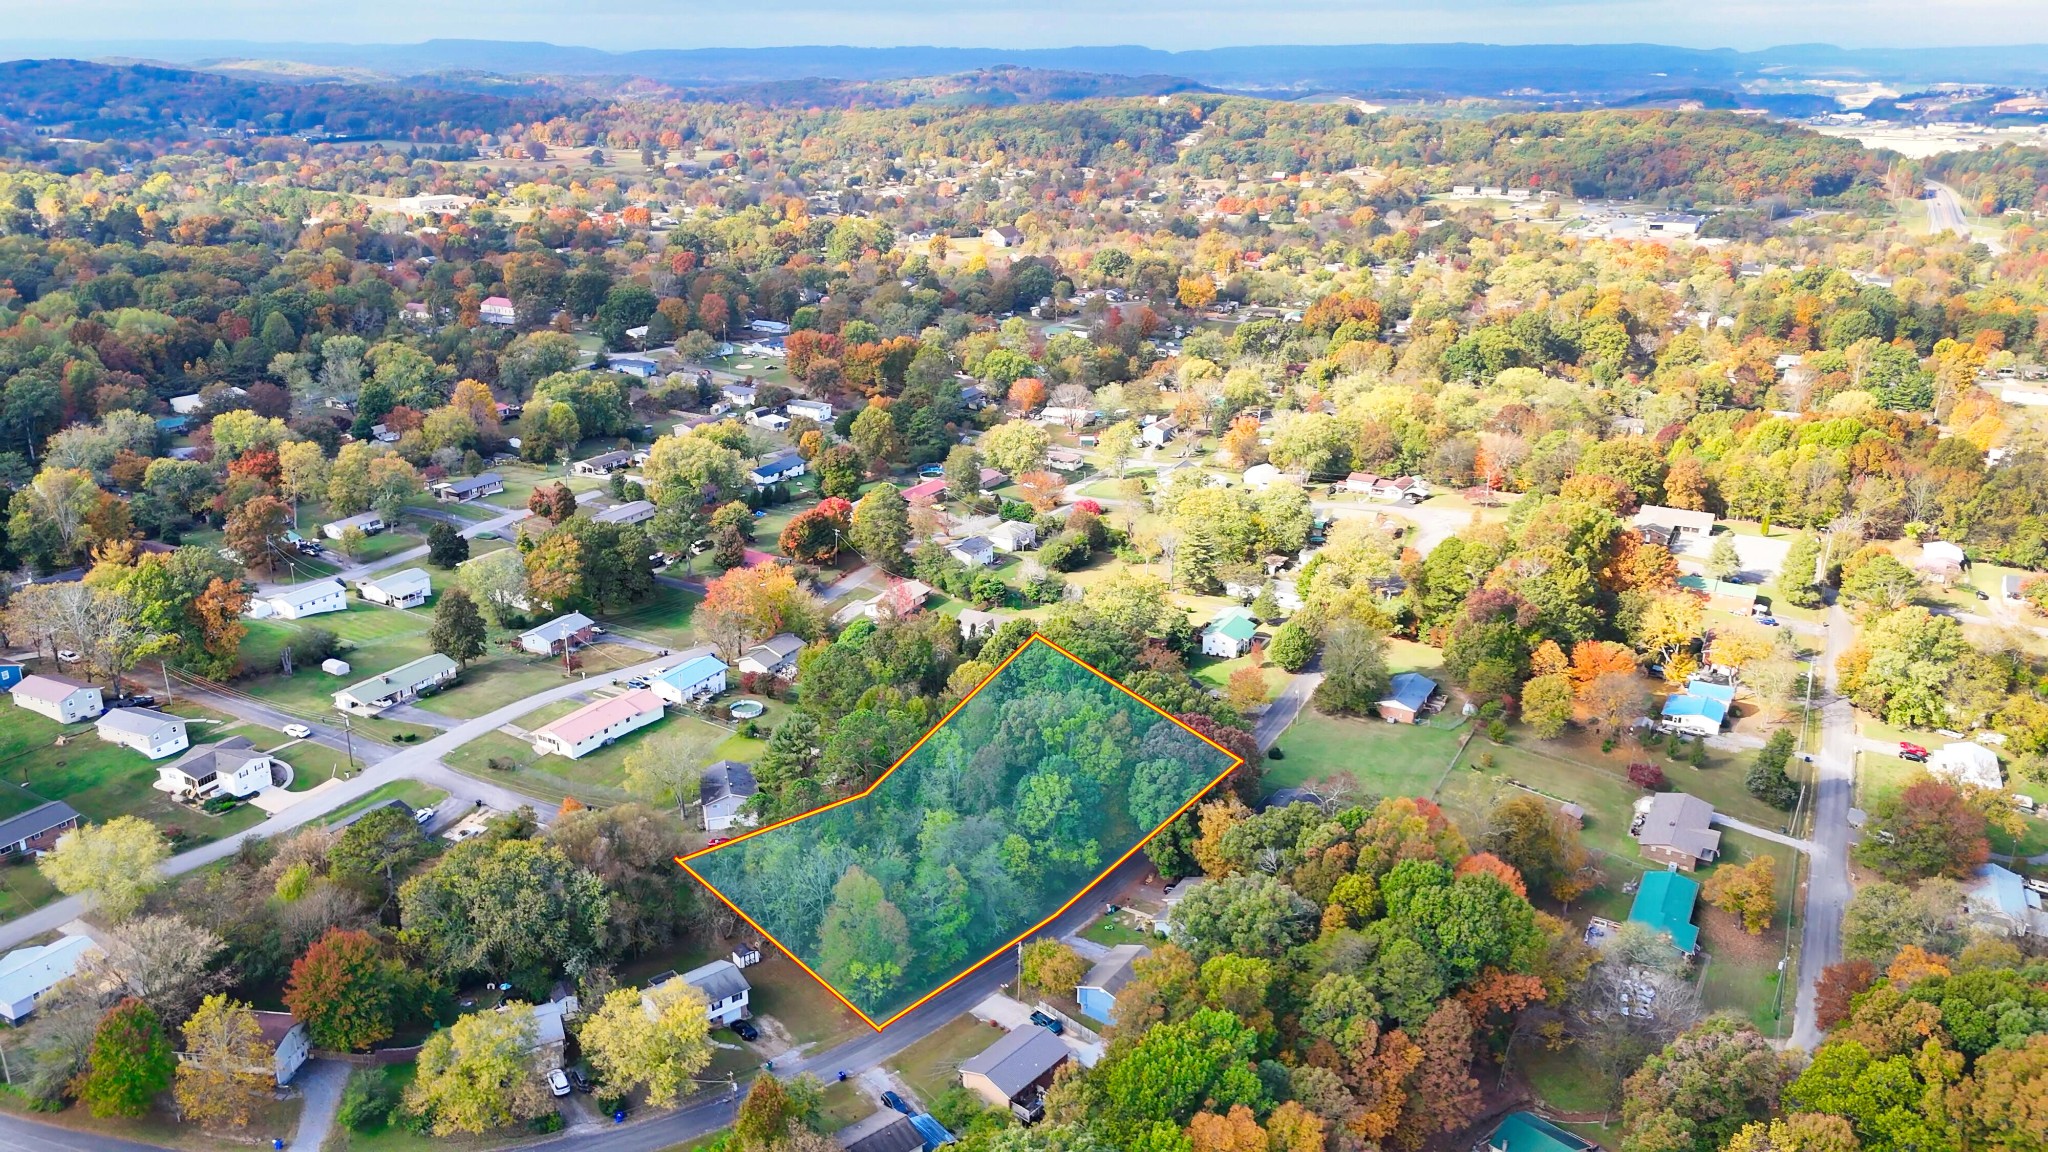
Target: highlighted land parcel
{"x": 1039, "y": 783}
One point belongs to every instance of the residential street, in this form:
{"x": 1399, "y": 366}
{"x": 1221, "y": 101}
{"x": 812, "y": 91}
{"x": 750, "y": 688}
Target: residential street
{"x": 1827, "y": 884}
{"x": 355, "y": 572}
{"x": 1286, "y": 706}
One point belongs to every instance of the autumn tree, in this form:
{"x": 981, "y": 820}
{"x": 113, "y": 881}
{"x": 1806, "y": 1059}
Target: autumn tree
{"x": 748, "y": 605}
{"x": 1927, "y": 828}
{"x": 1548, "y": 704}
{"x": 480, "y": 1074}
{"x": 1542, "y": 844}
{"x": 1041, "y": 489}
{"x": 657, "y": 1039}
{"x": 113, "y": 865}
{"x": 130, "y": 1064}
{"x": 1837, "y": 989}
{"x": 813, "y": 536}
{"x": 1445, "y": 1096}
{"x": 1747, "y": 891}
{"x": 1052, "y": 967}
{"x": 347, "y": 989}
{"x": 555, "y": 502}
{"x": 227, "y": 1071}
{"x": 1702, "y": 1088}
{"x": 254, "y": 528}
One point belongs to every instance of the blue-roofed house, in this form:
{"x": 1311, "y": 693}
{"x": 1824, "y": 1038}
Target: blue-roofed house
{"x": 696, "y": 677}
{"x": 1528, "y": 1132}
{"x": 1408, "y": 693}
{"x": 1665, "y": 902}
{"x": 1701, "y": 710}
{"x": 2002, "y": 902}
{"x": 10, "y": 675}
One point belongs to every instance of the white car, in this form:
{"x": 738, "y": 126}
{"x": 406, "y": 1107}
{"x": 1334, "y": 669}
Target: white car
{"x": 297, "y": 731}
{"x": 67, "y": 655}
{"x": 423, "y": 816}
{"x": 558, "y": 1082}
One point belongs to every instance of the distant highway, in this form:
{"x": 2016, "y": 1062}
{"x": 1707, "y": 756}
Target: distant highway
{"x": 1945, "y": 211}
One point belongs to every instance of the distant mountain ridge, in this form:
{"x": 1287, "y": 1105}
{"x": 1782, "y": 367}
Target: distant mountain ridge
{"x": 1552, "y": 70}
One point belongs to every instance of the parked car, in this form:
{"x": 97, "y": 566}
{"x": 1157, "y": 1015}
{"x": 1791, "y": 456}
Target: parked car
{"x": 1913, "y": 752}
{"x": 637, "y": 682}
{"x": 1049, "y": 1023}
{"x": 580, "y": 1082}
{"x": 67, "y": 655}
{"x": 423, "y": 816}
{"x": 715, "y": 841}
{"x": 558, "y": 1082}
{"x": 745, "y": 1030}
{"x": 1768, "y": 621}
{"x": 297, "y": 731}
{"x": 894, "y": 1101}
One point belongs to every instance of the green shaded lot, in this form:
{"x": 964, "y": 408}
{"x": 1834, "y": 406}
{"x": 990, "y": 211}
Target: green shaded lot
{"x": 663, "y": 618}
{"x": 599, "y": 776}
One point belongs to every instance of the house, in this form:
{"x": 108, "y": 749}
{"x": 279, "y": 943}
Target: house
{"x": 1722, "y": 595}
{"x": 1170, "y": 902}
{"x": 468, "y": 488}
{"x": 975, "y": 624}
{"x": 146, "y": 730}
{"x": 383, "y": 434}
{"x": 1674, "y": 828}
{"x": 558, "y": 635}
{"x": 408, "y": 588}
{"x": 602, "y": 465}
{"x": 725, "y": 990}
{"x": 698, "y": 678}
{"x": 902, "y": 599}
{"x": 232, "y": 767}
{"x": 1700, "y": 710}
{"x": 975, "y": 552}
{"x": 1004, "y": 237}
{"x": 1260, "y": 477}
{"x": 1230, "y": 635}
{"x": 1015, "y": 1071}
{"x": 2000, "y": 901}
{"x": 767, "y": 418}
{"x": 1097, "y": 991}
{"x": 1942, "y": 555}
{"x": 992, "y": 479}
{"x": 973, "y": 397}
{"x": 887, "y": 1130}
{"x": 61, "y": 698}
{"x": 643, "y": 367}
{"x": 1678, "y": 526}
{"x": 1408, "y": 693}
{"x": 631, "y": 512}
{"x": 816, "y": 410}
{"x": 290, "y": 1046}
{"x": 401, "y": 685}
{"x": 38, "y": 829}
{"x": 1159, "y": 433}
{"x": 302, "y": 600}
{"x": 1528, "y": 1132}
{"x": 1013, "y": 536}
{"x": 775, "y": 656}
{"x": 598, "y": 723}
{"x": 27, "y": 973}
{"x": 926, "y": 492}
{"x": 1665, "y": 902}
{"x": 1966, "y": 762}
{"x": 187, "y": 404}
{"x": 787, "y": 466}
{"x": 551, "y": 1023}
{"x": 740, "y": 394}
{"x": 497, "y": 310}
{"x": 1062, "y": 459}
{"x": 369, "y": 523}
{"x": 722, "y": 791}
{"x": 1067, "y": 416}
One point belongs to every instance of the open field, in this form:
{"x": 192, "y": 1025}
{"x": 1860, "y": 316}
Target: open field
{"x": 503, "y": 676}
{"x": 1382, "y": 759}
{"x": 932, "y": 1065}
{"x": 663, "y": 618}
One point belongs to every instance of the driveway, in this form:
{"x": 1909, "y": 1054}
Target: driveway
{"x": 1762, "y": 833}
{"x": 319, "y": 1083}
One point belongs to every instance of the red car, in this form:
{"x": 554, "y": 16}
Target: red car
{"x": 1913, "y": 752}
{"x": 717, "y": 840}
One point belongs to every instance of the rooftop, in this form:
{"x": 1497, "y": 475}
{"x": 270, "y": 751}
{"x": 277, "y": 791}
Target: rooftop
{"x": 727, "y": 778}
{"x": 1411, "y": 690}
{"x": 1013, "y": 1063}
{"x": 599, "y": 715}
{"x": 405, "y": 676}
{"x": 51, "y": 689}
{"x": 40, "y": 818}
{"x": 302, "y": 594}
{"x": 1665, "y": 902}
{"x": 139, "y": 721}
{"x": 1676, "y": 820}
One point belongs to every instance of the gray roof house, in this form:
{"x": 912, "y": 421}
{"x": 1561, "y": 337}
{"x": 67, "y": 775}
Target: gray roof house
{"x": 725, "y": 990}
{"x": 38, "y": 828}
{"x": 549, "y": 638}
{"x": 886, "y": 1131}
{"x": 722, "y": 790}
{"x": 1097, "y": 991}
{"x": 775, "y": 656}
{"x": 631, "y": 512}
{"x": 401, "y": 685}
{"x": 1014, "y": 1071}
{"x": 152, "y": 733}
{"x": 975, "y": 551}
{"x": 1674, "y": 828}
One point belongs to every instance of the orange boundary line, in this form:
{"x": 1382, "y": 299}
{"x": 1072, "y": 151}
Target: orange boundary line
{"x": 1236, "y": 762}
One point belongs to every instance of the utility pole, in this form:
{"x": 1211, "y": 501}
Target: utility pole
{"x": 348, "y": 735}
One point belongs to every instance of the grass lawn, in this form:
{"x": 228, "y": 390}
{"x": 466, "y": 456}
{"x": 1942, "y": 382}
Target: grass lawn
{"x": 932, "y": 1065}
{"x": 662, "y": 619}
{"x": 1216, "y": 673}
{"x": 393, "y": 1138}
{"x": 843, "y": 1104}
{"x": 522, "y": 479}
{"x": 1109, "y": 931}
{"x": 415, "y": 794}
{"x": 599, "y": 776}
{"x": 160, "y": 1128}
{"x": 1564, "y": 1081}
{"x": 2032, "y": 842}
{"x": 503, "y": 677}
{"x": 1384, "y": 759}
{"x": 1741, "y": 971}
{"x": 376, "y": 640}
{"x": 23, "y": 888}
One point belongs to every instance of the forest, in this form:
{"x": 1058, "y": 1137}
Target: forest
{"x": 1045, "y": 778}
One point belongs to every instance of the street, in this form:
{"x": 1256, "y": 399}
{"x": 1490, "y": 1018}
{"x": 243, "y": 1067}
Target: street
{"x": 1827, "y": 882}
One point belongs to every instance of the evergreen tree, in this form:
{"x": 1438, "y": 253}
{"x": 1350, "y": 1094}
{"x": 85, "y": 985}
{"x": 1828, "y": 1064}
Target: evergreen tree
{"x": 458, "y": 631}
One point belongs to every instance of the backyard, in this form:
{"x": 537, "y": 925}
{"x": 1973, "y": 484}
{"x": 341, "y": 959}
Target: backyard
{"x": 601, "y": 775}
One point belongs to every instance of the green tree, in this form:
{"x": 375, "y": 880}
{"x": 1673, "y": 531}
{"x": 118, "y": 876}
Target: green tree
{"x": 480, "y": 1074}
{"x": 1294, "y": 644}
{"x": 131, "y": 1062}
{"x": 458, "y": 629}
{"x": 1547, "y": 703}
{"x": 376, "y": 851}
{"x": 1016, "y": 447}
{"x": 656, "y": 1039}
{"x": 1052, "y": 967}
{"x": 1905, "y": 666}
{"x": 1875, "y": 580}
{"x": 875, "y": 435}
{"x": 1767, "y": 779}
{"x": 446, "y": 547}
{"x": 1178, "y": 1068}
{"x": 881, "y": 528}
{"x": 1251, "y": 915}
{"x": 963, "y": 473}
{"x": 1703, "y": 1087}
{"x": 1723, "y": 561}
{"x": 113, "y": 865}
{"x": 1355, "y": 674}
{"x": 1797, "y": 576}
{"x": 514, "y": 908}
{"x": 864, "y": 944}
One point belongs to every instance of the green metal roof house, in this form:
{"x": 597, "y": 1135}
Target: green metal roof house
{"x": 1665, "y": 902}
{"x": 1528, "y": 1132}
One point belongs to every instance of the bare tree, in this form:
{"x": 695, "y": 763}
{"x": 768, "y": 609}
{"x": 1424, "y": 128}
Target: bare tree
{"x": 163, "y": 961}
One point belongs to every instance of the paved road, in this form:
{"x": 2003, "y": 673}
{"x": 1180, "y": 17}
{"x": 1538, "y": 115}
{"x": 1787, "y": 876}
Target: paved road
{"x": 418, "y": 762}
{"x": 1285, "y": 707}
{"x": 1945, "y": 212}
{"x": 18, "y": 1134}
{"x": 1827, "y": 882}
{"x": 470, "y": 529}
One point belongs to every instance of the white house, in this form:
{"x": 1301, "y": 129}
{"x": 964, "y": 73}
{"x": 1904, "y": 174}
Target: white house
{"x": 146, "y": 730}
{"x": 497, "y": 310}
{"x": 739, "y": 394}
{"x": 1674, "y": 528}
{"x": 232, "y": 767}
{"x": 1966, "y": 762}
{"x": 290, "y": 1046}
{"x": 787, "y": 466}
{"x": 725, "y": 990}
{"x": 814, "y": 409}
{"x": 700, "y": 676}
{"x": 724, "y": 788}
{"x": 1230, "y": 635}
{"x": 551, "y": 638}
{"x": 975, "y": 552}
{"x": 369, "y": 522}
{"x": 1004, "y": 237}
{"x": 975, "y": 624}
{"x": 401, "y": 685}
{"x": 598, "y": 723}
{"x": 27, "y": 973}
{"x": 1013, "y": 536}
{"x": 631, "y": 512}
{"x": 603, "y": 465}
{"x": 61, "y": 698}
{"x": 1159, "y": 433}
{"x": 302, "y": 600}
{"x": 405, "y": 589}
{"x": 1260, "y": 477}
{"x": 775, "y": 656}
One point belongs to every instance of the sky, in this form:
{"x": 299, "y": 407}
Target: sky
{"x": 1169, "y": 24}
